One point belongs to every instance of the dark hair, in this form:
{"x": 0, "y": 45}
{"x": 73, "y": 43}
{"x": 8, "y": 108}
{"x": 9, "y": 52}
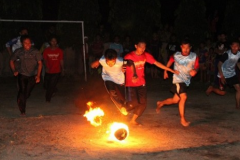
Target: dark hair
{"x": 186, "y": 41}
{"x": 53, "y": 36}
{"x": 22, "y": 28}
{"x": 24, "y": 37}
{"x": 110, "y": 54}
{"x": 234, "y": 41}
{"x": 140, "y": 40}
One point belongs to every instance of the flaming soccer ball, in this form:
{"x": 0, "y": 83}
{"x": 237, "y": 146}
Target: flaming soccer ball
{"x": 94, "y": 116}
{"x": 118, "y": 131}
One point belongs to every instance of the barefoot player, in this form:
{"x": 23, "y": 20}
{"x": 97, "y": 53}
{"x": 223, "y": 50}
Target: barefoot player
{"x": 186, "y": 63}
{"x": 227, "y": 73}
{"x": 136, "y": 87}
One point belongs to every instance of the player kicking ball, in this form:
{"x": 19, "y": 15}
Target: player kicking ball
{"x": 113, "y": 69}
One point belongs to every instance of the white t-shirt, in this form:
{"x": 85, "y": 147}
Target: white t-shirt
{"x": 113, "y": 73}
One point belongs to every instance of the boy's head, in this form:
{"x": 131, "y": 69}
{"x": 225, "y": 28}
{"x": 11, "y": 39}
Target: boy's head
{"x": 26, "y": 42}
{"x": 53, "y": 40}
{"x": 23, "y": 31}
{"x": 234, "y": 46}
{"x": 186, "y": 47}
{"x": 140, "y": 46}
{"x": 111, "y": 57}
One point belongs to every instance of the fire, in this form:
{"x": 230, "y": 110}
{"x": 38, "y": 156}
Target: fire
{"x": 94, "y": 115}
{"x": 118, "y": 131}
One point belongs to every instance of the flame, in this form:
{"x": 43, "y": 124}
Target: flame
{"x": 94, "y": 115}
{"x": 118, "y": 131}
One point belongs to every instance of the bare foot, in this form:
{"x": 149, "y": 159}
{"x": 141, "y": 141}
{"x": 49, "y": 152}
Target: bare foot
{"x": 124, "y": 111}
{"x": 159, "y": 106}
{"x": 209, "y": 90}
{"x": 135, "y": 123}
{"x": 185, "y": 123}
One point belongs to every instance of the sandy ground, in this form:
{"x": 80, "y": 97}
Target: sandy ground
{"x": 59, "y": 131}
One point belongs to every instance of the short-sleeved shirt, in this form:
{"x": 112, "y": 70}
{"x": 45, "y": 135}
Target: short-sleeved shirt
{"x": 113, "y": 73}
{"x": 184, "y": 64}
{"x": 53, "y": 59}
{"x": 139, "y": 62}
{"x": 229, "y": 61}
{"x": 28, "y": 61}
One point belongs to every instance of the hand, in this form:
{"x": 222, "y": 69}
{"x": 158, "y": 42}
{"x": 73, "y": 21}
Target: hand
{"x": 165, "y": 75}
{"x": 123, "y": 69}
{"x": 95, "y": 64}
{"x": 15, "y": 73}
{"x": 223, "y": 80}
{"x": 134, "y": 79}
{"x": 176, "y": 72}
{"x": 193, "y": 72}
{"x": 37, "y": 79}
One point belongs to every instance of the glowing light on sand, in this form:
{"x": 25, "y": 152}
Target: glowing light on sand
{"x": 94, "y": 116}
{"x": 118, "y": 131}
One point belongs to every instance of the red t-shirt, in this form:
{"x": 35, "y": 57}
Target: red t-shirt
{"x": 139, "y": 62}
{"x": 52, "y": 59}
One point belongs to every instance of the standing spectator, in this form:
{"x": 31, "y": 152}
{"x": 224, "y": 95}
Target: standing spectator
{"x": 96, "y": 50}
{"x": 53, "y": 61}
{"x": 97, "y": 47}
{"x": 117, "y": 46}
{"x": 154, "y": 49}
{"x": 127, "y": 45}
{"x": 29, "y": 70}
{"x": 136, "y": 87}
{"x": 186, "y": 62}
{"x": 15, "y": 43}
{"x": 210, "y": 65}
{"x": 173, "y": 46}
{"x": 202, "y": 53}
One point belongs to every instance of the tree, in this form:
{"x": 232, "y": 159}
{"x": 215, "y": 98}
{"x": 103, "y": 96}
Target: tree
{"x": 190, "y": 20}
{"x": 136, "y": 18}
{"x": 24, "y": 10}
{"x": 231, "y": 22}
{"x": 84, "y": 10}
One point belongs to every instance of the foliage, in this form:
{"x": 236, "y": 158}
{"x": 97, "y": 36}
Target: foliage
{"x": 191, "y": 21}
{"x": 231, "y": 19}
{"x": 137, "y": 18}
{"x": 19, "y": 10}
{"x": 84, "y": 10}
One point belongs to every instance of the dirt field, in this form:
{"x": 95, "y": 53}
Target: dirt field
{"x": 59, "y": 131}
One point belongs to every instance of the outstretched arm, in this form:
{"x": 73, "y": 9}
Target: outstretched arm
{"x": 95, "y": 64}
{"x": 160, "y": 65}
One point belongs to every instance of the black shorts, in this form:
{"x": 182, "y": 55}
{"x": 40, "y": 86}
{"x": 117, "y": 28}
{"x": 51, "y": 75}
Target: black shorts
{"x": 230, "y": 82}
{"x": 179, "y": 88}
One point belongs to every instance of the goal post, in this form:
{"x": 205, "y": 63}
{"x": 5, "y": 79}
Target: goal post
{"x": 58, "y": 21}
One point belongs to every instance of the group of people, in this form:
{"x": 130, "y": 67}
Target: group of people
{"x": 26, "y": 63}
{"x": 123, "y": 70}
{"x": 133, "y": 65}
{"x": 186, "y": 63}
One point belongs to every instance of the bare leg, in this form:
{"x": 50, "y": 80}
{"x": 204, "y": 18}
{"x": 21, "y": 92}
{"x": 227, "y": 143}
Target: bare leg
{"x": 133, "y": 120}
{"x": 237, "y": 87}
{"x": 169, "y": 101}
{"x": 181, "y": 107}
{"x": 215, "y": 90}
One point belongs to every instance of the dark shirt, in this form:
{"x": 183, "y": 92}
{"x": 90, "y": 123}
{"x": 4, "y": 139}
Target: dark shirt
{"x": 28, "y": 61}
